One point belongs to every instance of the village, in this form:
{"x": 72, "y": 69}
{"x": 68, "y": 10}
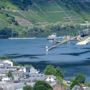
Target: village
{"x": 16, "y": 77}
{"x": 22, "y": 75}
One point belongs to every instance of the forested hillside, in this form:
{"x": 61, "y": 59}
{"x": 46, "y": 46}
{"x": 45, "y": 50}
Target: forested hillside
{"x": 20, "y": 15}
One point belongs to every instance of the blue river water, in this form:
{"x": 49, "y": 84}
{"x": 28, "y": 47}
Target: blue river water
{"x": 71, "y": 58}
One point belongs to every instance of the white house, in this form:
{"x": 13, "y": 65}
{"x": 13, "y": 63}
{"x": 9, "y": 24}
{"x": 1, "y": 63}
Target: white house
{"x": 67, "y": 81}
{"x": 5, "y": 79}
{"x": 1, "y": 65}
{"x": 50, "y": 78}
{"x": 33, "y": 71}
{"x": 22, "y": 69}
{"x": 8, "y": 62}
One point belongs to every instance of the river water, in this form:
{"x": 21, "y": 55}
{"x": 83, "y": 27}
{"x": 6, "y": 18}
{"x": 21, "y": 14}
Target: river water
{"x": 71, "y": 58}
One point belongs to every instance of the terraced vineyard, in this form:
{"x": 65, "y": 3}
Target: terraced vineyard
{"x": 43, "y": 12}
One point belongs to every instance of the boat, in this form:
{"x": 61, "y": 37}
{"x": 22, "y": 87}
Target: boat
{"x": 52, "y": 37}
{"x": 58, "y": 42}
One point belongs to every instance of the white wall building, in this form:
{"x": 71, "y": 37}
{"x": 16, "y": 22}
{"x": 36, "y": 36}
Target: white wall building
{"x": 33, "y": 71}
{"x": 5, "y": 79}
{"x": 50, "y": 79}
{"x": 8, "y": 62}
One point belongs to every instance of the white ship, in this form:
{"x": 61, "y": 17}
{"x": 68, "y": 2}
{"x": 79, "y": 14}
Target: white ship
{"x": 52, "y": 37}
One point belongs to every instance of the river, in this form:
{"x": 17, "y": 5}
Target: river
{"x": 71, "y": 58}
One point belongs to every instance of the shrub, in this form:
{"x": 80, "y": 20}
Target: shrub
{"x": 42, "y": 85}
{"x": 80, "y": 78}
{"x": 27, "y": 88}
{"x": 59, "y": 72}
{"x": 50, "y": 70}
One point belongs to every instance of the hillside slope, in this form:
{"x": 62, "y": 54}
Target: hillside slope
{"x": 47, "y": 11}
{"x": 35, "y": 18}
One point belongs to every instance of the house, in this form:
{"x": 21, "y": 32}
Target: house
{"x": 33, "y": 77}
{"x": 4, "y": 65}
{"x": 5, "y": 79}
{"x": 30, "y": 70}
{"x": 76, "y": 87}
{"x": 51, "y": 78}
{"x": 3, "y": 71}
{"x": 67, "y": 81}
{"x": 33, "y": 71}
{"x": 8, "y": 62}
{"x": 1, "y": 65}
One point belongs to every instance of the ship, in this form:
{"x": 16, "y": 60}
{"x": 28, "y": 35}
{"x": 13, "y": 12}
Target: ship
{"x": 52, "y": 36}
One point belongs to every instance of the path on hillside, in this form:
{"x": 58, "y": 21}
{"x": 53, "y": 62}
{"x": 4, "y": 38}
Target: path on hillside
{"x": 54, "y": 11}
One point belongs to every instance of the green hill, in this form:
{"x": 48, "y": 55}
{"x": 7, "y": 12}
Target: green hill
{"x": 28, "y": 13}
{"x": 48, "y": 11}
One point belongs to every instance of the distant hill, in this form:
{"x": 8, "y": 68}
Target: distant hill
{"x": 17, "y": 14}
{"x": 47, "y": 11}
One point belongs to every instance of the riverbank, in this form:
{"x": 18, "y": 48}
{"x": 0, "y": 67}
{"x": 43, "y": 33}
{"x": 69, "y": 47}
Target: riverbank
{"x": 84, "y": 41}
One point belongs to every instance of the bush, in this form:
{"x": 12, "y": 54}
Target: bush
{"x": 16, "y": 64}
{"x": 8, "y": 32}
{"x": 22, "y": 4}
{"x": 3, "y": 57}
{"x": 80, "y": 78}
{"x": 71, "y": 79}
{"x": 10, "y": 75}
{"x": 42, "y": 85}
{"x": 27, "y": 88}
{"x": 50, "y": 70}
{"x": 59, "y": 72}
{"x": 75, "y": 82}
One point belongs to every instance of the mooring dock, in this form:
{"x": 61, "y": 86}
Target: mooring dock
{"x": 60, "y": 43}
{"x": 54, "y": 46}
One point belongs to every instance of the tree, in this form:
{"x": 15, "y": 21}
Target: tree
{"x": 59, "y": 72}
{"x": 27, "y": 88}
{"x": 75, "y": 82}
{"x": 50, "y": 70}
{"x": 71, "y": 79}
{"x": 16, "y": 64}
{"x": 3, "y": 57}
{"x": 22, "y": 4}
{"x": 10, "y": 75}
{"x": 42, "y": 85}
{"x": 80, "y": 78}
